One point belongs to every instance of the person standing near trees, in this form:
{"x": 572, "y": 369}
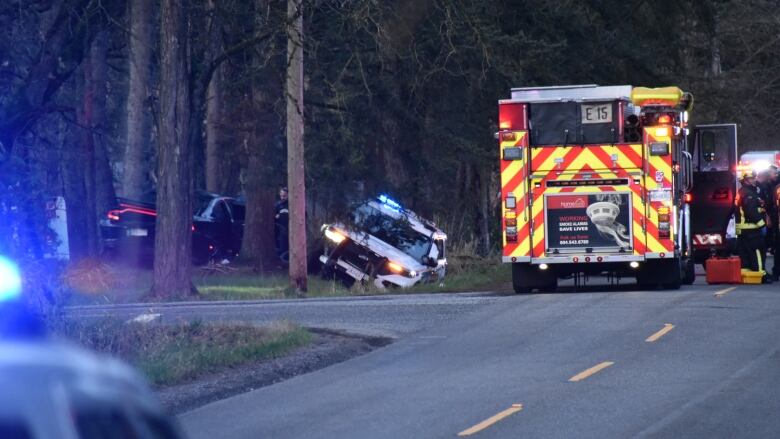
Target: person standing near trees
{"x": 281, "y": 225}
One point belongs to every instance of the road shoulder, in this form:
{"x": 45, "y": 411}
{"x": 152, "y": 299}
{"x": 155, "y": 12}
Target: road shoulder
{"x": 329, "y": 347}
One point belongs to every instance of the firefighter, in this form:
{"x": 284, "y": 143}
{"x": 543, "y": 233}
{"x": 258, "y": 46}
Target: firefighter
{"x": 281, "y": 225}
{"x": 775, "y": 217}
{"x": 751, "y": 225}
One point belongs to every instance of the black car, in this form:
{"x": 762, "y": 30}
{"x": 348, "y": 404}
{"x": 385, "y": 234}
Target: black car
{"x": 217, "y": 228}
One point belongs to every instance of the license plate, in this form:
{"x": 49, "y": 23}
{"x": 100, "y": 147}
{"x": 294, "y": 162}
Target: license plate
{"x": 596, "y": 113}
{"x": 137, "y": 232}
{"x": 661, "y": 195}
{"x": 355, "y": 273}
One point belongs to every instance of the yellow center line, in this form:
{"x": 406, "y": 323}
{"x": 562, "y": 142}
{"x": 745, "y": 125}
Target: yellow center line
{"x": 491, "y": 420}
{"x": 724, "y": 291}
{"x": 667, "y": 327}
{"x": 588, "y": 372}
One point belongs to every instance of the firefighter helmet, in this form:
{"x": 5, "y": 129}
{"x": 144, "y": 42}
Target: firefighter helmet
{"x": 749, "y": 173}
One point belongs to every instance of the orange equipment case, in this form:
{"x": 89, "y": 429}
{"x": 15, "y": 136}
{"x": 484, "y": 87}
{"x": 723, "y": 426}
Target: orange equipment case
{"x": 723, "y": 270}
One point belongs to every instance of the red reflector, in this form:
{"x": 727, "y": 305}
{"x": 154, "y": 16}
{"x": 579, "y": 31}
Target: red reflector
{"x": 511, "y": 238}
{"x": 575, "y": 259}
{"x": 511, "y": 116}
{"x": 663, "y": 255}
{"x": 514, "y": 259}
{"x": 665, "y": 234}
{"x": 599, "y": 259}
{"x": 587, "y": 259}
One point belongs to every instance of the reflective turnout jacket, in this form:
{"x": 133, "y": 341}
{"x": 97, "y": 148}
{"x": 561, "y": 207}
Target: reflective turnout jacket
{"x": 749, "y": 209}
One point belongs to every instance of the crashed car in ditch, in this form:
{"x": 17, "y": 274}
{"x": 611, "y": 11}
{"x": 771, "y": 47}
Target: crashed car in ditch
{"x": 217, "y": 228}
{"x": 386, "y": 245}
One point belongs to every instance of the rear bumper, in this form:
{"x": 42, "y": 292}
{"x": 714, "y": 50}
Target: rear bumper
{"x": 574, "y": 259}
{"x": 381, "y": 281}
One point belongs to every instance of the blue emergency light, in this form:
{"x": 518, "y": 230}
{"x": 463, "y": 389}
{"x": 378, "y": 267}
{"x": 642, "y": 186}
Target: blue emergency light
{"x": 390, "y": 203}
{"x": 10, "y": 280}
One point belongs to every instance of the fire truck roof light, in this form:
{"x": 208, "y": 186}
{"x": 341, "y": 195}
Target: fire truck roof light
{"x": 664, "y": 118}
{"x": 10, "y": 280}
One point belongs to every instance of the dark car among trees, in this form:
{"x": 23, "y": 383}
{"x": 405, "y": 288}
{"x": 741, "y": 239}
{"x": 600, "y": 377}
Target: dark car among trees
{"x": 217, "y": 228}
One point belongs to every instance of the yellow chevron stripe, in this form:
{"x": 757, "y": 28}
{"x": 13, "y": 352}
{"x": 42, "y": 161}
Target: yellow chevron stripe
{"x": 523, "y": 249}
{"x": 511, "y": 171}
{"x": 638, "y": 235}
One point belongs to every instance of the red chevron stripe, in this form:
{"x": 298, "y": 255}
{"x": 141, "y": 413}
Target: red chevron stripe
{"x": 540, "y": 157}
{"x": 632, "y": 155}
{"x": 509, "y": 248}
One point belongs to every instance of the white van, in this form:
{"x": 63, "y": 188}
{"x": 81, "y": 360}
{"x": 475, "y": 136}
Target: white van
{"x": 757, "y": 161}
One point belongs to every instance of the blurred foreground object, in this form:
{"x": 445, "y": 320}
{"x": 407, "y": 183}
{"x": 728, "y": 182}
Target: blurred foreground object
{"x": 51, "y": 389}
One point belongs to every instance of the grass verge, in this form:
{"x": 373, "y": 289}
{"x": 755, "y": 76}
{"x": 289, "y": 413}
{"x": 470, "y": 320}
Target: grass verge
{"x": 479, "y": 275}
{"x": 173, "y": 354}
{"x": 464, "y": 273}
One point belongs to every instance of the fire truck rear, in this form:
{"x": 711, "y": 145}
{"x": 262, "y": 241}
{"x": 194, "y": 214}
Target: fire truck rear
{"x": 594, "y": 181}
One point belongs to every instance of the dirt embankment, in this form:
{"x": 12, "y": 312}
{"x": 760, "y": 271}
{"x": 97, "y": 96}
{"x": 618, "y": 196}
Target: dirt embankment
{"x": 328, "y": 347}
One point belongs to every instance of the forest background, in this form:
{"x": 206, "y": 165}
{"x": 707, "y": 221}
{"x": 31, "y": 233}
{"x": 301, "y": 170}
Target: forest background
{"x": 400, "y": 97}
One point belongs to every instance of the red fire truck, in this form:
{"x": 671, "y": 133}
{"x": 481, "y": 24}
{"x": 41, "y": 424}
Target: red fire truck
{"x": 595, "y": 180}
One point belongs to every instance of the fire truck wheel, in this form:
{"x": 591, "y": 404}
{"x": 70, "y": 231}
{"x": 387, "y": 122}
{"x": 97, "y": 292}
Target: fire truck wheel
{"x": 527, "y": 277}
{"x": 666, "y": 274}
{"x": 522, "y": 275}
{"x": 689, "y": 273}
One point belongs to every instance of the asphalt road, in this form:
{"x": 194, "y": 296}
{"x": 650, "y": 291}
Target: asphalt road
{"x": 560, "y": 365}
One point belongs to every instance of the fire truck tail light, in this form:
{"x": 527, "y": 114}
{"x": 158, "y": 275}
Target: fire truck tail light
{"x": 661, "y": 132}
{"x": 664, "y": 234}
{"x": 688, "y": 198}
{"x": 511, "y": 222}
{"x": 663, "y": 218}
{"x": 113, "y": 215}
{"x": 508, "y": 136}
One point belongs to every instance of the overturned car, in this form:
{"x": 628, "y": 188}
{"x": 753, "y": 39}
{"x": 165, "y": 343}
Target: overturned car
{"x": 386, "y": 245}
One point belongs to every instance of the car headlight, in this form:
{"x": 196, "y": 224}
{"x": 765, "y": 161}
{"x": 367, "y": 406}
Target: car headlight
{"x": 399, "y": 269}
{"x": 334, "y": 236}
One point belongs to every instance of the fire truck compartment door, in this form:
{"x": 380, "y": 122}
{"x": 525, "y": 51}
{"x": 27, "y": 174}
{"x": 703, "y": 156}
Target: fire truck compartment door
{"x": 574, "y": 123}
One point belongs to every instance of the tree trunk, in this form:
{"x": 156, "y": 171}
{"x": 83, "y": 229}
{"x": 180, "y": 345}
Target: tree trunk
{"x": 139, "y": 61}
{"x": 213, "y": 107}
{"x": 74, "y": 190}
{"x": 258, "y": 244}
{"x": 173, "y": 240}
{"x": 484, "y": 209}
{"x": 86, "y": 118}
{"x": 296, "y": 177}
{"x": 105, "y": 195}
